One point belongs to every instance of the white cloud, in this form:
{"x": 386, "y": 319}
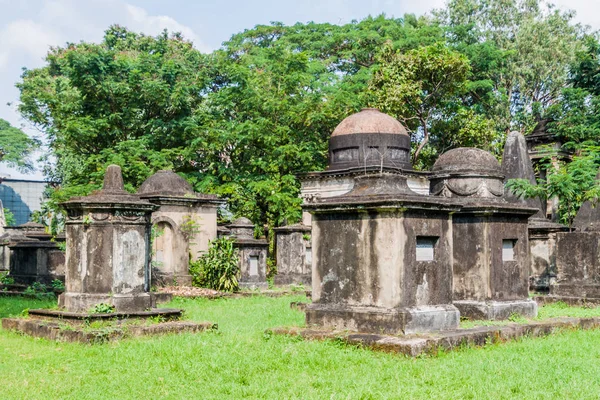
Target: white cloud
{"x": 26, "y": 37}
{"x": 139, "y": 20}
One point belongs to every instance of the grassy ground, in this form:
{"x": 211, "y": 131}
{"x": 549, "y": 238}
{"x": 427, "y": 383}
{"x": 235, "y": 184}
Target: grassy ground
{"x": 240, "y": 361}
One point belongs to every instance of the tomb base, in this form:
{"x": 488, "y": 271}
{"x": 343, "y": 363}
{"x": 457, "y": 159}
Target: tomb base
{"x": 292, "y": 279}
{"x": 496, "y": 310}
{"x": 576, "y": 289}
{"x": 83, "y": 302}
{"x": 382, "y": 320}
{"x": 166, "y": 279}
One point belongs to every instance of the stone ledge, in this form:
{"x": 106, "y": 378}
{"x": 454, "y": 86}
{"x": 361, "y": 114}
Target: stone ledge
{"x": 571, "y": 301}
{"x": 166, "y": 313}
{"x": 415, "y": 345}
{"x": 54, "y": 331}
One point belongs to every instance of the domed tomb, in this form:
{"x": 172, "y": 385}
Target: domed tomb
{"x": 369, "y": 138}
{"x": 165, "y": 183}
{"x": 467, "y": 172}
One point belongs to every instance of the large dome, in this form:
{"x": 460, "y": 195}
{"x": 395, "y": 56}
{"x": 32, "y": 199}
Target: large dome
{"x": 369, "y": 120}
{"x": 467, "y": 159}
{"x": 165, "y": 183}
{"x": 369, "y": 139}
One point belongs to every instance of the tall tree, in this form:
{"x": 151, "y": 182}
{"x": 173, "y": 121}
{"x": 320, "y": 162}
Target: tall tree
{"x": 532, "y": 44}
{"x": 422, "y": 88}
{"x": 16, "y": 146}
{"x": 128, "y": 100}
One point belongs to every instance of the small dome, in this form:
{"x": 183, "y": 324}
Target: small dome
{"x": 369, "y": 120}
{"x": 242, "y": 221}
{"x": 166, "y": 183}
{"x": 466, "y": 159}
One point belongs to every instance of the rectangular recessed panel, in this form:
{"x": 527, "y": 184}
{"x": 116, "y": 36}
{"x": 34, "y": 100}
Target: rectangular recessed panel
{"x": 508, "y": 249}
{"x": 253, "y": 271}
{"x": 308, "y": 256}
{"x": 347, "y": 154}
{"x": 425, "y": 247}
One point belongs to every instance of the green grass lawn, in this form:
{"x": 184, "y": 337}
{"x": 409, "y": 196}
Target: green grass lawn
{"x": 240, "y": 361}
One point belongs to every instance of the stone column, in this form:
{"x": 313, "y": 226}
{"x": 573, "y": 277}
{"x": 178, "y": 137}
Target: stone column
{"x": 108, "y": 251}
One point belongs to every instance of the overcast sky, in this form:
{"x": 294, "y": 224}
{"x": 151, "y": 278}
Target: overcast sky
{"x": 29, "y": 27}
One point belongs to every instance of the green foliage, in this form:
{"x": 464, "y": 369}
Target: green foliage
{"x": 16, "y": 146}
{"x": 218, "y": 267}
{"x": 38, "y": 290}
{"x": 9, "y": 217}
{"x": 422, "y": 88}
{"x": 520, "y": 52}
{"x": 5, "y": 279}
{"x": 189, "y": 227}
{"x": 573, "y": 183}
{"x": 102, "y": 308}
{"x": 57, "y": 284}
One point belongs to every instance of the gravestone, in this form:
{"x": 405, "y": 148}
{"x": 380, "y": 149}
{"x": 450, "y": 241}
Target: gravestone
{"x": 108, "y": 249}
{"x": 294, "y": 254}
{"x": 252, "y": 254}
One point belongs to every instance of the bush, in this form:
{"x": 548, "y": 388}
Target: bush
{"x": 218, "y": 268}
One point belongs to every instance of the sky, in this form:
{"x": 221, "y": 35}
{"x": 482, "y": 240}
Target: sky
{"x": 29, "y": 27}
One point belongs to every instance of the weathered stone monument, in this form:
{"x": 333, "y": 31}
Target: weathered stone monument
{"x": 490, "y": 237}
{"x": 30, "y": 256}
{"x": 578, "y": 257}
{"x": 252, "y": 254}
{"x": 516, "y": 164}
{"x": 108, "y": 249}
{"x": 184, "y": 225}
{"x": 294, "y": 254}
{"x": 382, "y": 255}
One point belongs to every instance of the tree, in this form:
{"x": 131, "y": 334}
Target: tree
{"x": 129, "y": 100}
{"x": 528, "y": 46}
{"x": 572, "y": 183}
{"x": 421, "y": 88}
{"x": 16, "y": 146}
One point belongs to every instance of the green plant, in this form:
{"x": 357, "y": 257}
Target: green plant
{"x": 9, "y": 217}
{"x": 218, "y": 267}
{"x": 5, "y": 279}
{"x": 189, "y": 227}
{"x": 102, "y": 308}
{"x": 306, "y": 236}
{"x": 57, "y": 284}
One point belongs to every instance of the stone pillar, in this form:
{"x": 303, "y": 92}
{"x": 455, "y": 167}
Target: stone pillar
{"x": 108, "y": 252}
{"x": 252, "y": 254}
{"x": 294, "y": 254}
{"x": 382, "y": 259}
{"x": 516, "y": 164}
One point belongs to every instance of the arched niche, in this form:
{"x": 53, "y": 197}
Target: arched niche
{"x": 163, "y": 249}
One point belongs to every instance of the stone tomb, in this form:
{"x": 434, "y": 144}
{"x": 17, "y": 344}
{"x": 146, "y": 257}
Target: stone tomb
{"x": 578, "y": 257}
{"x": 108, "y": 252}
{"x": 184, "y": 225}
{"x": 294, "y": 254}
{"x": 252, "y": 254}
{"x": 108, "y": 255}
{"x": 490, "y": 236}
{"x": 382, "y": 259}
